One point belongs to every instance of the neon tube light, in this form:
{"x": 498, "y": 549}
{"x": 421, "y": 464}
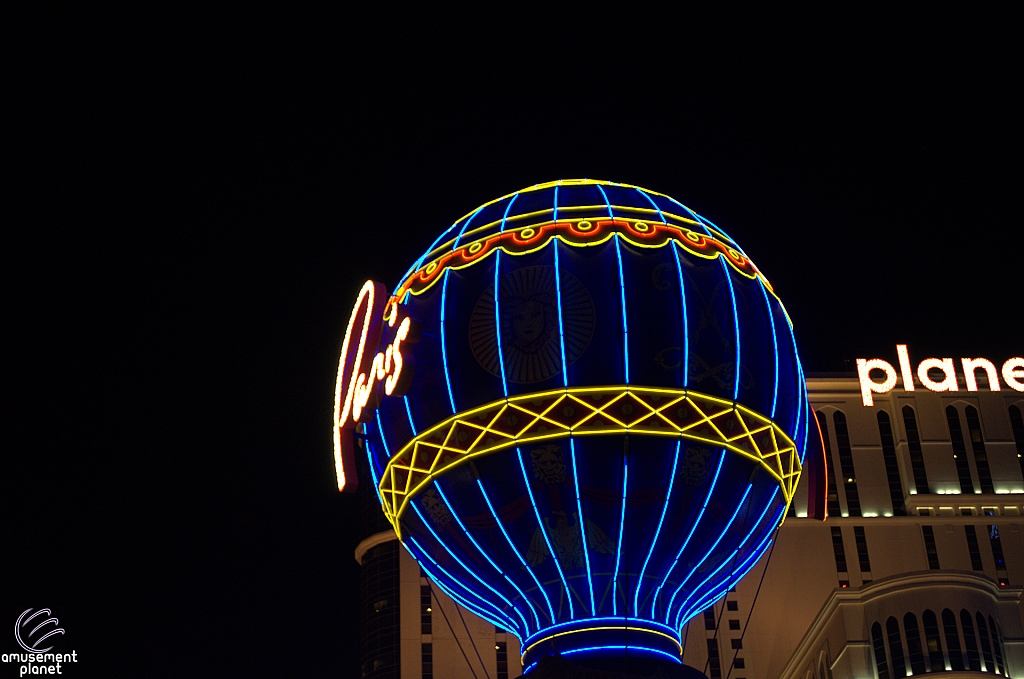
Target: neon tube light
{"x": 465, "y": 225}
{"x": 650, "y": 200}
{"x": 611, "y": 215}
{"x": 471, "y": 572}
{"x": 775, "y": 346}
{"x": 736, "y": 325}
{"x": 725, "y": 561}
{"x": 657, "y": 531}
{"x": 686, "y": 322}
{"x": 483, "y": 613}
{"x": 622, "y": 529}
{"x": 544, "y": 533}
{"x": 551, "y": 610}
{"x": 497, "y": 320}
{"x": 710, "y": 549}
{"x": 507, "y": 208}
{"x": 583, "y": 528}
{"x": 686, "y": 542}
{"x": 625, "y": 324}
{"x": 561, "y": 330}
{"x": 526, "y": 626}
{"x": 444, "y": 347}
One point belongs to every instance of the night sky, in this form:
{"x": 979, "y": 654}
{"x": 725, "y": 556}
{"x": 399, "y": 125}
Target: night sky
{"x": 204, "y": 201}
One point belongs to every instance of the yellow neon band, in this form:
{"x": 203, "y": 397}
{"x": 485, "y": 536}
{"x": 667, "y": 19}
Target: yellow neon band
{"x": 526, "y": 650}
{"x": 620, "y": 409}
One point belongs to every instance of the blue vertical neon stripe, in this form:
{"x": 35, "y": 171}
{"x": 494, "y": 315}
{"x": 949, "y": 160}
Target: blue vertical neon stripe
{"x": 526, "y": 626}
{"x": 653, "y": 204}
{"x": 558, "y": 299}
{"x": 657, "y": 531}
{"x": 468, "y": 569}
{"x": 625, "y": 323}
{"x": 551, "y": 610}
{"x": 544, "y": 533}
{"x": 622, "y": 529}
{"x": 804, "y": 408}
{"x": 583, "y": 527}
{"x": 444, "y": 346}
{"x": 736, "y": 325}
{"x": 465, "y": 225}
{"x": 383, "y": 438}
{"x": 686, "y": 322}
{"x": 504, "y": 217}
{"x": 554, "y": 216}
{"x": 606, "y": 202}
{"x": 711, "y": 489}
{"x": 710, "y": 550}
{"x": 775, "y": 345}
{"x": 753, "y": 529}
{"x": 373, "y": 471}
{"x": 408, "y": 411}
{"x": 483, "y": 613}
{"x": 497, "y": 320}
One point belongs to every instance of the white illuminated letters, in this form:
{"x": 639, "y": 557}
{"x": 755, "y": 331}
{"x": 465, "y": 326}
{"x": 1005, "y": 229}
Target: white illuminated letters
{"x": 1013, "y": 374}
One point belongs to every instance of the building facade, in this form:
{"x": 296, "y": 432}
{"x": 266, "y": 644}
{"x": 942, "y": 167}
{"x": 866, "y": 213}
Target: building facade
{"x": 918, "y": 568}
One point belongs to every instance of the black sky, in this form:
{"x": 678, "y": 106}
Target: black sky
{"x": 204, "y": 194}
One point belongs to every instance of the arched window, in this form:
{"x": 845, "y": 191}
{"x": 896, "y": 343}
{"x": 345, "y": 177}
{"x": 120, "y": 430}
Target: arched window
{"x": 914, "y": 644}
{"x": 986, "y": 648}
{"x": 956, "y": 658}
{"x": 970, "y": 641}
{"x": 878, "y": 644}
{"x": 916, "y": 456}
{"x": 931, "y": 636}
{"x": 892, "y": 465}
{"x": 846, "y": 464}
{"x": 978, "y": 444}
{"x": 822, "y": 669}
{"x": 956, "y": 435}
{"x": 833, "y": 491}
{"x": 997, "y": 644}
{"x": 1017, "y": 423}
{"x": 899, "y": 664}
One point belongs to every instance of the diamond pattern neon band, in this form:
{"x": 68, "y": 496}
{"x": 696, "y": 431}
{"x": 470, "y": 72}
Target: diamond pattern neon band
{"x": 577, "y": 233}
{"x": 586, "y": 411}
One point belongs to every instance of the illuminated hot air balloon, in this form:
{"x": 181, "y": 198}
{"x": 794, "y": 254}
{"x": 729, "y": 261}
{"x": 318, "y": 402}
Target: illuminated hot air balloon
{"x": 585, "y": 415}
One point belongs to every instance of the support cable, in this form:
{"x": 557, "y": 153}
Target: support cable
{"x": 454, "y": 635}
{"x": 754, "y": 602}
{"x": 476, "y": 650}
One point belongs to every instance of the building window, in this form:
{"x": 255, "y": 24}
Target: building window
{"x": 914, "y": 649}
{"x": 833, "y": 491}
{"x": 978, "y": 445}
{"x": 737, "y": 643}
{"x": 734, "y": 624}
{"x": 501, "y": 657}
{"x": 956, "y": 659}
{"x": 862, "y": 552}
{"x": 916, "y": 456}
{"x": 929, "y": 547}
{"x": 739, "y": 663}
{"x": 846, "y": 464}
{"x": 1017, "y": 423}
{"x": 986, "y": 646}
{"x": 899, "y": 665}
{"x": 427, "y": 658}
{"x": 931, "y": 638}
{"x": 426, "y": 608}
{"x": 997, "y": 645}
{"x": 714, "y": 663}
{"x": 732, "y": 606}
{"x": 837, "y": 549}
{"x": 892, "y": 465}
{"x": 973, "y": 549}
{"x": 970, "y": 642}
{"x": 956, "y": 435}
{"x": 997, "y": 547}
{"x": 709, "y": 618}
{"x": 878, "y": 644}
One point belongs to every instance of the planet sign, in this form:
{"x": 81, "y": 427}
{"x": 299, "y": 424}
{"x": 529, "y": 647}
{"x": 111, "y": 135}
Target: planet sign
{"x": 584, "y": 414}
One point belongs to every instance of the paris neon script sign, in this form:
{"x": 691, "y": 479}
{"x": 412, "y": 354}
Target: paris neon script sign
{"x": 364, "y": 377}
{"x": 1012, "y": 372}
